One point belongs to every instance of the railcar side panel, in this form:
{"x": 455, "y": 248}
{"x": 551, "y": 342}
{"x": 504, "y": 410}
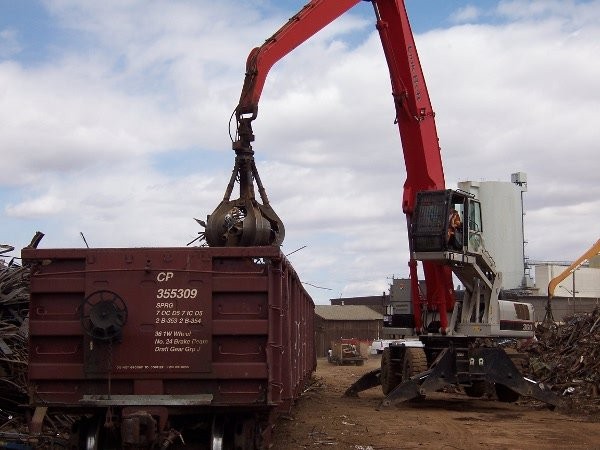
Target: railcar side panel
{"x": 231, "y": 326}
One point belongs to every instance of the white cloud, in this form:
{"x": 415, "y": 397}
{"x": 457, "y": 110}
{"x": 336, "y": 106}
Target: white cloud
{"x": 44, "y": 205}
{"x": 468, "y": 13}
{"x": 574, "y": 13}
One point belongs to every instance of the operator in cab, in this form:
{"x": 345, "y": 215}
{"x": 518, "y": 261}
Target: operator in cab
{"x": 454, "y": 230}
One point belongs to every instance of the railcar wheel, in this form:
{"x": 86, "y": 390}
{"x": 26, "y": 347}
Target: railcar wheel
{"x": 217, "y": 433}
{"x": 389, "y": 375}
{"x": 89, "y": 431}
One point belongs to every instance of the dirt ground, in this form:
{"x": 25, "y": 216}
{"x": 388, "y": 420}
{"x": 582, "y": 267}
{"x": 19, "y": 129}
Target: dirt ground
{"x": 322, "y": 418}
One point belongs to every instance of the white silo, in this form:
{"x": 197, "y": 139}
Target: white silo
{"x": 502, "y": 211}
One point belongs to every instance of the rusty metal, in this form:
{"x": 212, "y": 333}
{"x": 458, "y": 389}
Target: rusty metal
{"x": 14, "y": 297}
{"x": 208, "y": 331}
{"x": 29, "y": 429}
{"x": 35, "y": 426}
{"x": 138, "y": 429}
{"x": 566, "y": 358}
{"x": 244, "y": 222}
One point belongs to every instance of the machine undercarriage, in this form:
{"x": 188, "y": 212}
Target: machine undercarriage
{"x": 478, "y": 367}
{"x": 446, "y": 229}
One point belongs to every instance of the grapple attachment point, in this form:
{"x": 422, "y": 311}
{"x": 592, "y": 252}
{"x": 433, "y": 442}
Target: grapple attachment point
{"x": 244, "y": 222}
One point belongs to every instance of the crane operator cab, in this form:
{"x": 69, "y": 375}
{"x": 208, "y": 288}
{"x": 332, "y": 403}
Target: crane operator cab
{"x": 446, "y": 225}
{"x": 447, "y": 229}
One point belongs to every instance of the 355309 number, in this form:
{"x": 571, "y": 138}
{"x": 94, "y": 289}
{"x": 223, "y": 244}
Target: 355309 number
{"x": 177, "y": 293}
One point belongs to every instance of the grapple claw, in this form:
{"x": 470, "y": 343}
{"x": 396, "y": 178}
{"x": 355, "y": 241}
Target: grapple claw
{"x": 244, "y": 222}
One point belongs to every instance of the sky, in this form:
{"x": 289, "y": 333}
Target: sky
{"x": 114, "y": 123}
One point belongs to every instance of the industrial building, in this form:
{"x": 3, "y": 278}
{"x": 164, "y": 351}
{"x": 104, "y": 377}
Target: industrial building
{"x": 377, "y": 303}
{"x": 582, "y": 283}
{"x": 335, "y": 322}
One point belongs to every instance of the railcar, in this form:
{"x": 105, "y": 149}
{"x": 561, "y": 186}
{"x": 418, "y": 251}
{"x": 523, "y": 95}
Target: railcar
{"x": 166, "y": 347}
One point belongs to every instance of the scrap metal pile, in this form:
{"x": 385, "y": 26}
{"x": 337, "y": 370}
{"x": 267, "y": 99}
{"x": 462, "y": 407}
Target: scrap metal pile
{"x": 14, "y": 298}
{"x": 567, "y": 358}
{"x": 14, "y": 312}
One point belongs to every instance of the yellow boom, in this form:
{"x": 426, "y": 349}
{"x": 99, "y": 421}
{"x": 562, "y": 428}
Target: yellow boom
{"x": 593, "y": 251}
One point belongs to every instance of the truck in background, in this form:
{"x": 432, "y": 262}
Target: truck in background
{"x": 348, "y": 352}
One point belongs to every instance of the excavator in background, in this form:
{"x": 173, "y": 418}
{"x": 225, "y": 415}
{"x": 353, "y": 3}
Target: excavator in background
{"x": 554, "y": 282}
{"x": 458, "y": 339}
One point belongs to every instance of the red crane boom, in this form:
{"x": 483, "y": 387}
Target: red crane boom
{"x": 414, "y": 116}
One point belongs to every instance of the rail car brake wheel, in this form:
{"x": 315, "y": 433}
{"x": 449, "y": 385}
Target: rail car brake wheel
{"x": 103, "y": 314}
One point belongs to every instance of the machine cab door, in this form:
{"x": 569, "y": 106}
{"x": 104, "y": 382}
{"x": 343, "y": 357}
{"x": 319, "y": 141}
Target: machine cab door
{"x": 464, "y": 223}
{"x": 474, "y": 225}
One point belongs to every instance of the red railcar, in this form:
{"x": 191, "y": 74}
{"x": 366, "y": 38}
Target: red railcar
{"x": 157, "y": 346}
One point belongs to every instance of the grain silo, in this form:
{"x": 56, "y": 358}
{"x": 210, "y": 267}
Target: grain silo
{"x": 502, "y": 211}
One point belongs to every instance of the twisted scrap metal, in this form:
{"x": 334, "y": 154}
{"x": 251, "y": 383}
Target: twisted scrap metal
{"x": 14, "y": 328}
{"x": 567, "y": 358}
{"x": 14, "y": 300}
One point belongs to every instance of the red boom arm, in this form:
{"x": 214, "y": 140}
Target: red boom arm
{"x": 315, "y": 16}
{"x": 414, "y": 114}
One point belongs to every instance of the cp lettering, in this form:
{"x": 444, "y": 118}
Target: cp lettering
{"x": 164, "y": 276}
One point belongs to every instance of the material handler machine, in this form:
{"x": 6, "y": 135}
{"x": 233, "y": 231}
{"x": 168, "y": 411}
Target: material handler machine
{"x": 458, "y": 339}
